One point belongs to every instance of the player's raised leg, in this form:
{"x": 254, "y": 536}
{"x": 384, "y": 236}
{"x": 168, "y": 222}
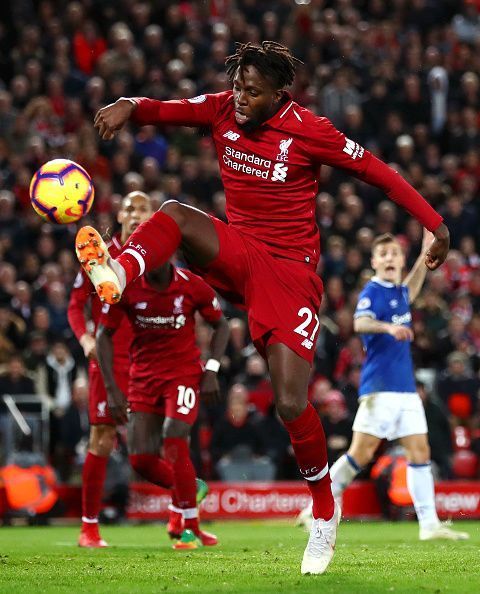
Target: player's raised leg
{"x": 422, "y": 490}
{"x": 101, "y": 444}
{"x": 150, "y": 246}
{"x": 290, "y": 374}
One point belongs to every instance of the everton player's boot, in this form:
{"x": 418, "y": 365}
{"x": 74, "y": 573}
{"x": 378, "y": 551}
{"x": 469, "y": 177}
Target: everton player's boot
{"x": 107, "y": 276}
{"x": 305, "y": 518}
{"x": 321, "y": 544}
{"x": 442, "y": 531}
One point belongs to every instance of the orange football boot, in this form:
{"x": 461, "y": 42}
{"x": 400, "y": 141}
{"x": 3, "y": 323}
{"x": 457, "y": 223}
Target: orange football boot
{"x": 93, "y": 255}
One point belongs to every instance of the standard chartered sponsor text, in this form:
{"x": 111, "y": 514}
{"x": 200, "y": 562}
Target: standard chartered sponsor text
{"x": 243, "y": 162}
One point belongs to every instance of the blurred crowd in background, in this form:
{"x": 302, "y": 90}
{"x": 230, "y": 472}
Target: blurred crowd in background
{"x": 401, "y": 77}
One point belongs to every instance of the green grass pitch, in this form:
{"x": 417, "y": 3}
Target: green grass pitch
{"x": 252, "y": 557}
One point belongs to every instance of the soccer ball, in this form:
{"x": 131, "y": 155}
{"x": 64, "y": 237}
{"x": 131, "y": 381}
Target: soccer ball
{"x": 61, "y": 191}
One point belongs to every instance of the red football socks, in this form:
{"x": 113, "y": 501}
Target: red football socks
{"x": 177, "y": 453}
{"x": 153, "y": 468}
{"x": 310, "y": 447}
{"x": 93, "y": 479}
{"x": 152, "y": 244}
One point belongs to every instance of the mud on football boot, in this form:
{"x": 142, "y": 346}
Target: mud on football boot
{"x": 107, "y": 275}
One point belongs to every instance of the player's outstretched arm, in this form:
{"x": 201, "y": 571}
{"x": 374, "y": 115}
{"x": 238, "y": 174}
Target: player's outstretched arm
{"x": 400, "y": 191}
{"x": 209, "y": 388}
{"x": 368, "y": 325}
{"x": 117, "y": 403}
{"x": 416, "y": 277}
{"x": 199, "y": 111}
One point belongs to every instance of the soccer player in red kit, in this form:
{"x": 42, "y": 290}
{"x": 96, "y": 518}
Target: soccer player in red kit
{"x": 135, "y": 209}
{"x": 270, "y": 150}
{"x": 166, "y": 379}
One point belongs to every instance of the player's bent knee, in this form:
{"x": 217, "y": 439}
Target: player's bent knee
{"x": 288, "y": 407}
{"x": 102, "y": 439}
{"x": 176, "y": 210}
{"x": 175, "y": 428}
{"x": 419, "y": 455}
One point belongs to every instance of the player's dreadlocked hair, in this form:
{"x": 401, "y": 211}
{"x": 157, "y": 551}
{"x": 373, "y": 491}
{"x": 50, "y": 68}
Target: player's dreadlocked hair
{"x": 272, "y": 60}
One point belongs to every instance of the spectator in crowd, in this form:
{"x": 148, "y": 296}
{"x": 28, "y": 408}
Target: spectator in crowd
{"x": 458, "y": 388}
{"x": 237, "y": 444}
{"x": 439, "y": 432}
{"x": 15, "y": 379}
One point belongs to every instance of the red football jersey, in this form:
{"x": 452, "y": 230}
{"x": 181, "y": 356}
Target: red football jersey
{"x": 271, "y": 175}
{"x": 163, "y": 324}
{"x": 82, "y": 294}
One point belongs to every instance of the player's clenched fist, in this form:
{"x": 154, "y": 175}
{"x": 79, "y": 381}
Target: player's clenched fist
{"x": 438, "y": 251}
{"x": 113, "y": 117}
{"x": 400, "y": 332}
{"x": 117, "y": 404}
{"x": 209, "y": 387}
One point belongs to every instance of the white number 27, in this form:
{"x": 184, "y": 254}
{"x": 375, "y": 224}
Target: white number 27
{"x": 304, "y": 312}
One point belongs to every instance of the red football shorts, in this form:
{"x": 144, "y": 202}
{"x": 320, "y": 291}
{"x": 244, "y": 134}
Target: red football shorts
{"x": 97, "y": 397}
{"x": 282, "y": 297}
{"x": 175, "y": 398}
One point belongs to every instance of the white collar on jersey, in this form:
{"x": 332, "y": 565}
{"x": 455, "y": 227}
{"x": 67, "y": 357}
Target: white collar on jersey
{"x": 381, "y": 282}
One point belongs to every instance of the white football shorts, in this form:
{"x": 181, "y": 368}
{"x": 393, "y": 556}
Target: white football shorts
{"x": 391, "y": 415}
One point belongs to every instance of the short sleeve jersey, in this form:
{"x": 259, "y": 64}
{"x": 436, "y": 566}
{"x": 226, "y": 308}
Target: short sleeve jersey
{"x": 388, "y": 366}
{"x": 163, "y": 323}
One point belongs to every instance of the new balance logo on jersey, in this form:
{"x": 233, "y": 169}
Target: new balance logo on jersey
{"x": 353, "y": 149}
{"x": 231, "y": 135}
{"x": 279, "y": 172}
{"x": 141, "y": 305}
{"x": 308, "y": 344}
{"x": 284, "y": 146}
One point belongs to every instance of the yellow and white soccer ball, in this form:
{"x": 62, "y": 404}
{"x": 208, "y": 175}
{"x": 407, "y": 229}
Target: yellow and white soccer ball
{"x": 61, "y": 191}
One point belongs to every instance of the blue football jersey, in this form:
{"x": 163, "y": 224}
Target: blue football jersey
{"x": 388, "y": 366}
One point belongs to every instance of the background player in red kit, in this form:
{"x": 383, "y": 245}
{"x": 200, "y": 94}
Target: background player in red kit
{"x": 270, "y": 150}
{"x": 134, "y": 210}
{"x": 166, "y": 378}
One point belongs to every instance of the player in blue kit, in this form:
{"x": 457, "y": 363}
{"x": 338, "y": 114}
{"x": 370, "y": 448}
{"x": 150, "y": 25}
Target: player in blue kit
{"x": 390, "y": 407}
